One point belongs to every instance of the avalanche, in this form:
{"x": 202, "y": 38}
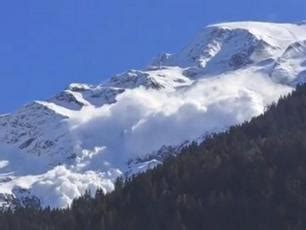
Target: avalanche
{"x": 87, "y": 136}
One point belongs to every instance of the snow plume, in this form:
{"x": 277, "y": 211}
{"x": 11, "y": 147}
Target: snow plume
{"x": 55, "y": 187}
{"x": 58, "y": 187}
{"x": 140, "y": 122}
{"x": 143, "y": 120}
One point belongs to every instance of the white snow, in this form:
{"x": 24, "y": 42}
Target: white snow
{"x": 291, "y": 66}
{"x": 83, "y": 138}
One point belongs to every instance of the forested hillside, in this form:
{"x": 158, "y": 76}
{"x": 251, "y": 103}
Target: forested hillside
{"x": 251, "y": 177}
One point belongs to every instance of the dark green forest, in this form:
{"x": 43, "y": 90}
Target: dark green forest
{"x": 252, "y": 177}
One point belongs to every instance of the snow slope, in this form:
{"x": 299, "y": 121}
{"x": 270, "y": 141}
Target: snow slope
{"x": 86, "y": 136}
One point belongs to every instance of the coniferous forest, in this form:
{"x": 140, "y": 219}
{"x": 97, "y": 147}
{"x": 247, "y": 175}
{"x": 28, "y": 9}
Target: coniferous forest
{"x": 252, "y": 177}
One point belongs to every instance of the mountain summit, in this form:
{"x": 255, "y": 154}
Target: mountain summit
{"x": 87, "y": 136}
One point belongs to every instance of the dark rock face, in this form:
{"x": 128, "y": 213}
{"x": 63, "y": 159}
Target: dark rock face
{"x": 68, "y": 100}
{"x": 239, "y": 60}
{"x": 27, "y": 143}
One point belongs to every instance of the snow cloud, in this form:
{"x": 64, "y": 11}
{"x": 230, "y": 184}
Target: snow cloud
{"x": 143, "y": 120}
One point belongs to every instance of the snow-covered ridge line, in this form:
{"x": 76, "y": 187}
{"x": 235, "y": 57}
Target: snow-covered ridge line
{"x": 88, "y": 135}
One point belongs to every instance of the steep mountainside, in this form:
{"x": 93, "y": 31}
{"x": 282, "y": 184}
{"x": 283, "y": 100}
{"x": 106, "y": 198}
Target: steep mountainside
{"x": 249, "y": 177}
{"x": 86, "y": 136}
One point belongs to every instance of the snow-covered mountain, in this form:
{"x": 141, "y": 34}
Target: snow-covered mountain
{"x": 87, "y": 136}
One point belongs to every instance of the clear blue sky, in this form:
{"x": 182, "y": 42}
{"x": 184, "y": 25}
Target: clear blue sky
{"x": 47, "y": 44}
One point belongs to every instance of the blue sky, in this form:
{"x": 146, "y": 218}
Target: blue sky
{"x": 45, "y": 45}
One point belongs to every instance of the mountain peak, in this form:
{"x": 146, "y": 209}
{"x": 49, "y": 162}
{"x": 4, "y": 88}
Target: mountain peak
{"x": 234, "y": 45}
{"x": 79, "y": 87}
